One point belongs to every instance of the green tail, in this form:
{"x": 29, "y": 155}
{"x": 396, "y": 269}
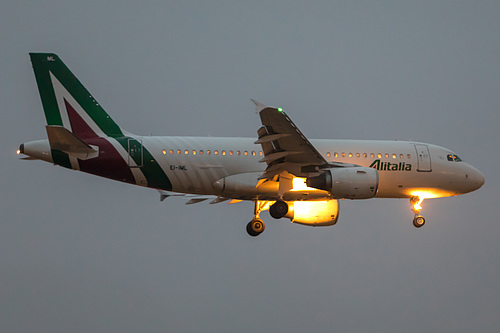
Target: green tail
{"x": 55, "y": 82}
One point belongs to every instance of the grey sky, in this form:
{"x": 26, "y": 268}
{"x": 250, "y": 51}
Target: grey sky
{"x": 80, "y": 253}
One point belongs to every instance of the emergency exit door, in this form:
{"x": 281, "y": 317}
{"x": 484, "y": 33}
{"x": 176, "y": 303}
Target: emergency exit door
{"x": 135, "y": 155}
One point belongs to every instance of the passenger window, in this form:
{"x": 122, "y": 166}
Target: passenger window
{"x": 260, "y": 153}
{"x": 164, "y": 152}
{"x": 372, "y": 155}
{"x": 231, "y": 152}
{"x": 186, "y": 152}
{"x": 357, "y": 155}
{"x": 208, "y": 152}
{"x": 365, "y": 155}
{"x": 171, "y": 151}
{"x": 343, "y": 154}
{"x": 223, "y": 153}
{"x": 238, "y": 153}
{"x": 216, "y": 152}
{"x": 201, "y": 152}
{"x": 178, "y": 151}
{"x": 379, "y": 155}
{"x": 253, "y": 153}
{"x": 386, "y": 155}
{"x": 328, "y": 154}
{"x": 350, "y": 154}
{"x": 194, "y": 152}
{"x": 245, "y": 153}
{"x": 394, "y": 156}
{"x": 408, "y": 156}
{"x": 401, "y": 156}
{"x": 336, "y": 154}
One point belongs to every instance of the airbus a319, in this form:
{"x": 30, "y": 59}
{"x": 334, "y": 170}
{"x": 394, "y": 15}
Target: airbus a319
{"x": 280, "y": 170}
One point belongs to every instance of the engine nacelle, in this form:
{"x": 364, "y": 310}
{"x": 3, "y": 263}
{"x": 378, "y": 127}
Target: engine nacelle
{"x": 314, "y": 213}
{"x": 347, "y": 183}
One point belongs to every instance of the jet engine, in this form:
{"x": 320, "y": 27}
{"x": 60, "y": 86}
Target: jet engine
{"x": 347, "y": 183}
{"x": 314, "y": 213}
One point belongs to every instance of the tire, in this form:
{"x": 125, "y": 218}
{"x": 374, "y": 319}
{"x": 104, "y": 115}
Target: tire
{"x": 255, "y": 227}
{"x": 418, "y": 221}
{"x": 278, "y": 209}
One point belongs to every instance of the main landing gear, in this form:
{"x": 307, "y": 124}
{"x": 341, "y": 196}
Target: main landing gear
{"x": 278, "y": 209}
{"x": 418, "y": 220}
{"x": 257, "y": 226}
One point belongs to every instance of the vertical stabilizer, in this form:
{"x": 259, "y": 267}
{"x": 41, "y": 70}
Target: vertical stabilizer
{"x": 67, "y": 103}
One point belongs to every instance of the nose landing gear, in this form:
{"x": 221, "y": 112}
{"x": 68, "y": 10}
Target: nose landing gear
{"x": 418, "y": 220}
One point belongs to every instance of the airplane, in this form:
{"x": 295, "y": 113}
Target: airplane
{"x": 280, "y": 170}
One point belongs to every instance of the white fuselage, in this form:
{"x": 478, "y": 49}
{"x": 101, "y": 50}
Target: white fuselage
{"x": 196, "y": 164}
{"x": 193, "y": 164}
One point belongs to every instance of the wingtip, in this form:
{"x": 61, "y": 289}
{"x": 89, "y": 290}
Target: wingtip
{"x": 258, "y": 105}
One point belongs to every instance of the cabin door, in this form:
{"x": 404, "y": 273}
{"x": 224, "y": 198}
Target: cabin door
{"x": 423, "y": 158}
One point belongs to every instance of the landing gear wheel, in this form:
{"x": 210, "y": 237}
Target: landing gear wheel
{"x": 278, "y": 209}
{"x": 255, "y": 227}
{"x": 418, "y": 221}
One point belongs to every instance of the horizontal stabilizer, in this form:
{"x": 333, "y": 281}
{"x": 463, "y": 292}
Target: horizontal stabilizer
{"x": 62, "y": 139}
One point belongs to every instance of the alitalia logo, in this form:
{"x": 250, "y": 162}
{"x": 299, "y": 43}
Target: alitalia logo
{"x": 388, "y": 166}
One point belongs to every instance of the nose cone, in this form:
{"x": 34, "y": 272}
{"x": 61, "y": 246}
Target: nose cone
{"x": 480, "y": 179}
{"x": 476, "y": 178}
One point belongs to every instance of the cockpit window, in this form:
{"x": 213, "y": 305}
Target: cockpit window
{"x": 453, "y": 158}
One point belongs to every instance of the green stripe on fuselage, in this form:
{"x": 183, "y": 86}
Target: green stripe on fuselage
{"x": 153, "y": 172}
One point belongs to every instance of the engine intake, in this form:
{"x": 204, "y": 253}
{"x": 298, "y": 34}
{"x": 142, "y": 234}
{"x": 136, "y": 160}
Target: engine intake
{"x": 347, "y": 183}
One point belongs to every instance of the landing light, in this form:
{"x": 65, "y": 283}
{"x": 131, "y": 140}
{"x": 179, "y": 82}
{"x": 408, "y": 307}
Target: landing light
{"x": 421, "y": 195}
{"x": 416, "y": 205}
{"x": 425, "y": 194}
{"x": 18, "y": 152}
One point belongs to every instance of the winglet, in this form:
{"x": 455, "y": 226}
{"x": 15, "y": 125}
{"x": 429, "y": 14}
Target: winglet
{"x": 258, "y": 106}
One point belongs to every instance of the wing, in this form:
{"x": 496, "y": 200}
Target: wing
{"x": 285, "y": 147}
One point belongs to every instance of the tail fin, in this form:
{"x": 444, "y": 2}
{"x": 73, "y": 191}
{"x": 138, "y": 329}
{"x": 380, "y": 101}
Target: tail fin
{"x": 67, "y": 103}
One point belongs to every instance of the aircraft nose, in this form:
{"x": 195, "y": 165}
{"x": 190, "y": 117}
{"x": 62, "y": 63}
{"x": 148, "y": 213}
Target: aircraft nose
{"x": 476, "y": 178}
{"x": 480, "y": 179}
